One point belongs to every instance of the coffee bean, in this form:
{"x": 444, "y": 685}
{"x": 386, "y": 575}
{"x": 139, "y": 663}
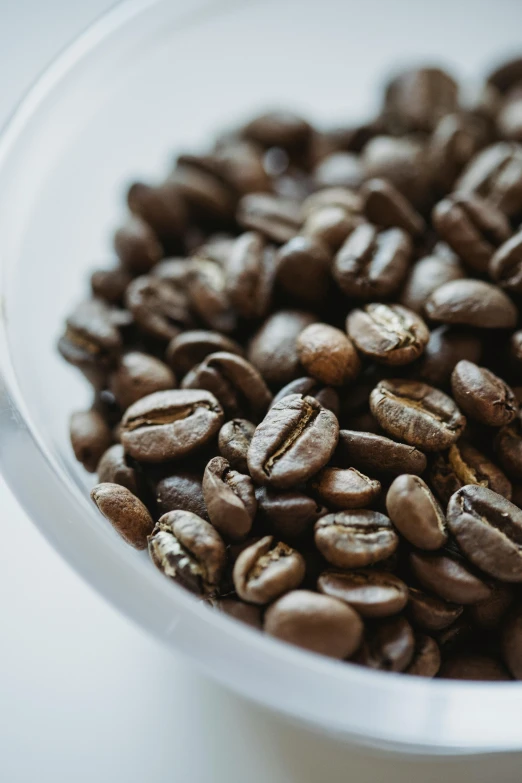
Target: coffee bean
{"x": 303, "y": 269}
{"x": 345, "y": 488}
{"x": 181, "y": 491}
{"x": 428, "y": 274}
{"x": 454, "y": 141}
{"x": 114, "y": 469}
{"x": 239, "y": 610}
{"x": 345, "y": 198}
{"x": 371, "y": 593}
{"x": 377, "y": 453}
{"x": 415, "y": 512}
{"x": 294, "y": 441}
{"x": 506, "y": 74}
{"x": 277, "y": 218}
{"x": 91, "y": 341}
{"x": 189, "y": 550}
{"x": 125, "y": 512}
{"x": 137, "y": 246}
{"x": 330, "y": 225}
{"x": 273, "y": 349}
{"x": 110, "y": 284}
{"x": 385, "y": 206}
{"x": 170, "y": 424}
{"x": 496, "y": 175}
{"x": 508, "y": 448}
{"x": 90, "y": 437}
{"x": 509, "y": 118}
{"x": 446, "y": 346}
{"x": 388, "y": 334}
{"x": 416, "y": 99}
{"x": 289, "y": 514}
{"x": 458, "y": 636}
{"x": 401, "y": 161}
{"x": 417, "y": 413}
{"x": 473, "y": 667}
{"x": 339, "y": 170}
{"x": 267, "y": 569}
{"x": 279, "y": 129}
{"x": 463, "y": 465}
{"x": 426, "y": 658}
{"x": 235, "y": 437}
{"x": 512, "y": 643}
{"x": 472, "y": 227}
{"x": 229, "y": 498}
{"x": 206, "y": 195}
{"x": 472, "y": 303}
{"x": 192, "y": 347}
{"x": 448, "y": 577}
{"x": 430, "y": 612}
{"x": 327, "y": 354}
{"x": 372, "y": 264}
{"x": 161, "y": 207}
{"x": 207, "y": 294}
{"x": 489, "y": 614}
{"x": 388, "y": 646}
{"x": 250, "y": 275}
{"x": 159, "y": 309}
{"x": 137, "y": 375}
{"x": 354, "y": 539}
{"x": 483, "y": 395}
{"x": 488, "y": 529}
{"x": 172, "y": 270}
{"x": 240, "y": 164}
{"x": 505, "y": 266}
{"x": 316, "y": 622}
{"x": 310, "y": 387}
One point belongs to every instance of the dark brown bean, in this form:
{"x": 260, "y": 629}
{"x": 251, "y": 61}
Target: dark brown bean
{"x": 401, "y": 161}
{"x": 415, "y": 512}
{"x": 303, "y": 269}
{"x": 181, "y": 491}
{"x": 239, "y": 610}
{"x": 416, "y": 99}
{"x": 206, "y": 195}
{"x": 509, "y": 117}
{"x": 327, "y": 354}
{"x": 207, "y": 293}
{"x": 430, "y": 612}
{"x": 125, "y": 512}
{"x": 388, "y": 334}
{"x": 385, "y": 206}
{"x": 90, "y": 437}
{"x": 508, "y": 448}
{"x": 235, "y": 437}
{"x": 489, "y": 614}
{"x": 159, "y": 309}
{"x": 447, "y": 346}
{"x": 340, "y": 169}
{"x": 161, "y": 207}
{"x": 345, "y": 488}
{"x": 310, "y": 387}
{"x": 289, "y": 513}
{"x": 229, "y": 498}
{"x": 496, "y": 175}
{"x": 483, "y": 395}
{"x": 505, "y": 266}
{"x": 472, "y": 303}
{"x": 473, "y": 667}
{"x": 277, "y": 218}
{"x": 137, "y": 246}
{"x": 449, "y": 578}
{"x": 114, "y": 469}
{"x": 279, "y": 129}
{"x": 330, "y": 225}
{"x": 426, "y": 658}
{"x": 454, "y": 141}
{"x": 372, "y": 593}
{"x": 273, "y": 349}
{"x": 110, "y": 284}
{"x": 250, "y": 275}
{"x": 267, "y": 569}
{"x": 191, "y": 347}
{"x": 376, "y": 453}
{"x": 388, "y": 646}
{"x": 137, "y": 375}
{"x": 355, "y": 539}
{"x": 463, "y": 465}
{"x": 91, "y": 340}
{"x": 426, "y": 276}
{"x": 512, "y": 643}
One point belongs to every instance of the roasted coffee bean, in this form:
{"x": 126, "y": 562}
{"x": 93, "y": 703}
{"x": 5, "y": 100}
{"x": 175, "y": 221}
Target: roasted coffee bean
{"x": 463, "y": 465}
{"x": 512, "y": 643}
{"x": 294, "y": 441}
{"x": 289, "y": 514}
{"x": 426, "y": 276}
{"x": 506, "y": 74}
{"x": 110, "y": 284}
{"x": 354, "y": 539}
{"x": 372, "y": 264}
{"x": 90, "y": 437}
{"x": 488, "y": 529}
{"x": 416, "y": 99}
{"x": 330, "y": 225}
{"x": 159, "y": 309}
{"x": 125, "y": 512}
{"x": 276, "y": 218}
{"x": 372, "y": 593}
{"x": 172, "y": 270}
{"x": 138, "y": 374}
{"x": 316, "y": 622}
{"x": 328, "y": 355}
{"x": 310, "y": 387}
{"x": 388, "y": 646}
{"x": 190, "y": 348}
{"x": 385, "y": 206}
{"x": 415, "y": 512}
{"x": 170, "y": 424}
{"x": 349, "y": 200}
{"x": 181, "y": 491}
{"x": 489, "y": 614}
{"x": 161, "y": 207}
{"x": 426, "y": 658}
{"x": 240, "y": 165}
{"x": 483, "y": 395}
{"x": 235, "y": 437}
{"x": 509, "y": 118}
{"x": 448, "y": 577}
{"x": 250, "y": 274}
{"x": 229, "y": 498}
{"x": 472, "y": 227}
{"x": 267, "y": 569}
{"x": 472, "y": 666}
{"x": 189, "y": 550}
{"x": 137, "y": 246}
{"x": 454, "y": 141}
{"x": 208, "y": 296}
{"x": 239, "y": 610}
{"x": 457, "y": 636}
{"x": 303, "y": 269}
{"x": 206, "y": 195}
{"x": 273, "y": 349}
{"x": 376, "y": 453}
{"x": 114, "y": 469}
{"x": 91, "y": 341}
{"x": 505, "y": 266}
{"x": 279, "y": 129}
{"x": 339, "y": 170}
{"x": 496, "y": 175}
{"x": 388, "y": 334}
{"x": 430, "y": 612}
{"x": 401, "y": 161}
{"x": 446, "y": 346}
{"x": 508, "y": 448}
{"x": 472, "y": 303}
{"x": 345, "y": 488}
{"x": 236, "y": 383}
{"x": 417, "y": 414}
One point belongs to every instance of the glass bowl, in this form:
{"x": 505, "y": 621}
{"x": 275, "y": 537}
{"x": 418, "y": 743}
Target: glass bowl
{"x": 149, "y": 78}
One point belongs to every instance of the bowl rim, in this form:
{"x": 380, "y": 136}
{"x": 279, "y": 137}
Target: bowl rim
{"x": 181, "y": 615}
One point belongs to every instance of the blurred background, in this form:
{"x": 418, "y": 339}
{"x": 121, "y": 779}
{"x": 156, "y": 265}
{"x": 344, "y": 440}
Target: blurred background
{"x": 86, "y": 696}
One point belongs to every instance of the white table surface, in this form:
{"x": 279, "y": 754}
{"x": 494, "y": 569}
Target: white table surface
{"x": 84, "y": 695}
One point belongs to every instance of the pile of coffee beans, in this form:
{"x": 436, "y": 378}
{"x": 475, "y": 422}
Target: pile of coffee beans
{"x": 307, "y": 373}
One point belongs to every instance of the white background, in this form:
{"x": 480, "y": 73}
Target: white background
{"x": 84, "y": 695}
